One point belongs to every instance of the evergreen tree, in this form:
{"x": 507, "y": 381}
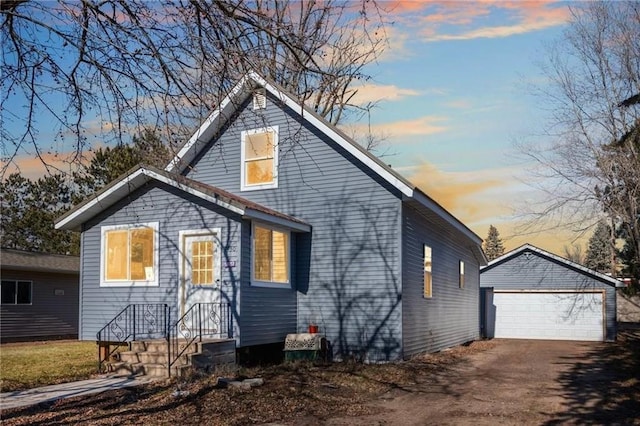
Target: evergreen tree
{"x": 599, "y": 249}
{"x": 493, "y": 247}
{"x": 29, "y": 209}
{"x": 109, "y": 163}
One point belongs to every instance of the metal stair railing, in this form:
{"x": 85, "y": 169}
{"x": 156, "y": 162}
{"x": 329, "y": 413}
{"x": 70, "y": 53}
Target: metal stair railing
{"x": 202, "y": 319}
{"x": 145, "y": 320}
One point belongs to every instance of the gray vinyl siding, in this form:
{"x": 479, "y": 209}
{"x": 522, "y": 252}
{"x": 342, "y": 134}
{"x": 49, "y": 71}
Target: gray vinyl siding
{"x": 175, "y": 211}
{"x": 49, "y": 315}
{"x": 450, "y": 317}
{"x": 348, "y": 268}
{"x": 529, "y": 270}
{"x": 267, "y": 315}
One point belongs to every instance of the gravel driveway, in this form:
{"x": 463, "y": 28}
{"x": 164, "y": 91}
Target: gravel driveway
{"x": 515, "y": 382}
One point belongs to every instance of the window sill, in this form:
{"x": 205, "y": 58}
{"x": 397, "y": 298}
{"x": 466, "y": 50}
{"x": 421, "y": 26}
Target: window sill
{"x": 267, "y": 284}
{"x": 129, "y": 284}
{"x": 245, "y": 188}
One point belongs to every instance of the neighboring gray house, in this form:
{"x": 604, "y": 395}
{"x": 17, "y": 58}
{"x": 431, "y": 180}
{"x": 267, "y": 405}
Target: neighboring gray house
{"x": 273, "y": 210}
{"x": 531, "y": 294}
{"x": 39, "y": 296}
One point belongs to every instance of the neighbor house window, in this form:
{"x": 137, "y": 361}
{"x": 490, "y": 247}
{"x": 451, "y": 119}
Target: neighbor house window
{"x": 129, "y": 255}
{"x": 259, "y": 159}
{"x": 461, "y": 274}
{"x": 270, "y": 255}
{"x": 16, "y": 292}
{"x": 428, "y": 285}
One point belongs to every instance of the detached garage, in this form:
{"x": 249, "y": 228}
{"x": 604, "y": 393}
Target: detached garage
{"x": 532, "y": 294}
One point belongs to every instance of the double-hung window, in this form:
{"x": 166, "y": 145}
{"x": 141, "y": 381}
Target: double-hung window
{"x": 129, "y": 255}
{"x": 270, "y": 256}
{"x": 259, "y": 154}
{"x": 16, "y": 292}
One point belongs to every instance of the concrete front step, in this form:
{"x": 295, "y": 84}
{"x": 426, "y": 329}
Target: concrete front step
{"x": 149, "y": 358}
{"x": 150, "y": 370}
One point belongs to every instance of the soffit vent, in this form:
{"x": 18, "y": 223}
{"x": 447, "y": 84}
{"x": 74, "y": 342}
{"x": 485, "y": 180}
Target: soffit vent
{"x": 259, "y": 99}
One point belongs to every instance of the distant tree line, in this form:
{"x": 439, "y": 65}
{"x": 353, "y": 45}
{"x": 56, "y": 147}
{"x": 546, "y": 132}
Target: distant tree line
{"x": 30, "y": 207}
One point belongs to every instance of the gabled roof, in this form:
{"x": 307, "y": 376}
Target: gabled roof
{"x": 20, "y": 260}
{"x": 232, "y": 102}
{"x": 140, "y": 175}
{"x": 550, "y": 256}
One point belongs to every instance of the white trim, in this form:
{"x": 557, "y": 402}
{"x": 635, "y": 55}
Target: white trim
{"x": 195, "y": 192}
{"x": 206, "y": 130}
{"x": 567, "y": 262}
{"x": 321, "y": 125}
{"x": 270, "y": 284}
{"x": 271, "y": 185}
{"x": 277, "y": 221}
{"x": 128, "y": 184}
{"x": 217, "y": 279}
{"x": 155, "y": 226}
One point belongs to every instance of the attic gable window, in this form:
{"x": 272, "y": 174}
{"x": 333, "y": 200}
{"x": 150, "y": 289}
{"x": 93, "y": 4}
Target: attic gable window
{"x": 259, "y": 154}
{"x": 259, "y": 99}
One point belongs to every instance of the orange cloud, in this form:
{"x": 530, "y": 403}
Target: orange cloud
{"x": 33, "y": 167}
{"x": 427, "y": 125}
{"x": 522, "y": 17}
{"x": 374, "y": 92}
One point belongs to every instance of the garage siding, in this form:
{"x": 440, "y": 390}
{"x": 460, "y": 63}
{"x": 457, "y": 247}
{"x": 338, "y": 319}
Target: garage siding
{"x": 532, "y": 271}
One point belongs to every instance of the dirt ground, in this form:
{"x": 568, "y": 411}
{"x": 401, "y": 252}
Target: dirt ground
{"x": 495, "y": 382}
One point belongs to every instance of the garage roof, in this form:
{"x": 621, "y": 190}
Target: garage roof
{"x": 576, "y": 266}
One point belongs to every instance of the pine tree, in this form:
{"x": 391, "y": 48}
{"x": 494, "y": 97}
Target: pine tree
{"x": 493, "y": 247}
{"x": 599, "y": 249}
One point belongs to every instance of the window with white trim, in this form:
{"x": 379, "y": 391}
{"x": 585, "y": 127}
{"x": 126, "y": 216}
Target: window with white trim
{"x": 259, "y": 154}
{"x": 428, "y": 284}
{"x": 129, "y": 255}
{"x": 270, "y": 255}
{"x": 461, "y": 274}
{"x": 16, "y": 292}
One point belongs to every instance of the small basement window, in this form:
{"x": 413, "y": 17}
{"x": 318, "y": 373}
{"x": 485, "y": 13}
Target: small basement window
{"x": 16, "y": 292}
{"x": 259, "y": 154}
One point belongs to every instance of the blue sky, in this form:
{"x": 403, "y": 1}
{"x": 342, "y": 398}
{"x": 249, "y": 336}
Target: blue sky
{"x": 454, "y": 94}
{"x": 457, "y": 94}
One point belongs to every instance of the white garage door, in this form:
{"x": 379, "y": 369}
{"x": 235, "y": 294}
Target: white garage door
{"x": 556, "y": 316}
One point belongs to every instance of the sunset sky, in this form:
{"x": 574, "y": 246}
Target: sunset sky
{"x": 455, "y": 96}
{"x": 457, "y": 84}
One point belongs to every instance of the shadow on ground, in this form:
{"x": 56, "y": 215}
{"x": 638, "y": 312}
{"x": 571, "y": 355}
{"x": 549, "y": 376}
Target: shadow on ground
{"x": 603, "y": 386}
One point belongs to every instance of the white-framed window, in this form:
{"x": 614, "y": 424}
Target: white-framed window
{"x": 16, "y": 292}
{"x": 259, "y": 152}
{"x": 462, "y": 274}
{"x": 270, "y": 260}
{"x": 129, "y": 255}
{"x": 428, "y": 276}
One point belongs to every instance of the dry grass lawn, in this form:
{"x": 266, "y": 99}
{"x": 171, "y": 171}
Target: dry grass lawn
{"x": 32, "y": 364}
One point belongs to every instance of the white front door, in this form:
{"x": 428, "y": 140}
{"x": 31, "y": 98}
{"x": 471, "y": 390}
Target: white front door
{"x": 199, "y": 295}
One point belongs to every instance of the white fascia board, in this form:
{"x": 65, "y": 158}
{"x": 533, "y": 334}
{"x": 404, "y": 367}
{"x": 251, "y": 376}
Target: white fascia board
{"x": 448, "y": 217}
{"x": 567, "y": 262}
{"x": 124, "y": 188}
{"x": 276, "y": 220}
{"x": 208, "y": 128}
{"x": 335, "y": 136}
{"x": 195, "y": 192}
{"x": 104, "y": 200}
